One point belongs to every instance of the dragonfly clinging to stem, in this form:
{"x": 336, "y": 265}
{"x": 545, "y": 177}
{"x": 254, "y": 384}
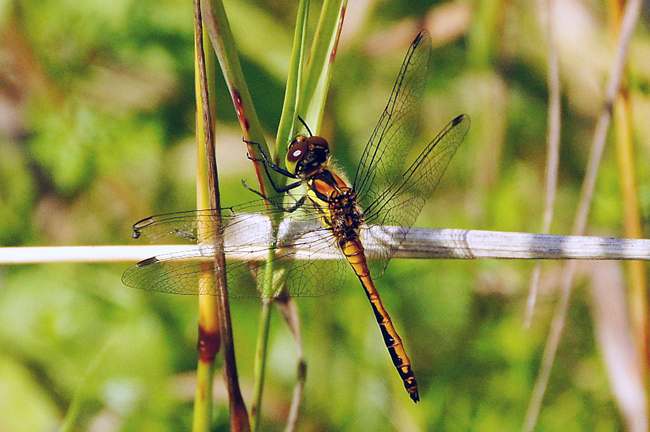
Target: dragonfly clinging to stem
{"x": 380, "y": 206}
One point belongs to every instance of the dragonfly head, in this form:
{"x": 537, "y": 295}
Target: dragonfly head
{"x": 306, "y": 155}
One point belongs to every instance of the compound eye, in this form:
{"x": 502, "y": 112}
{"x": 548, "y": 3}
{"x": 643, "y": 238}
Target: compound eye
{"x": 318, "y": 141}
{"x": 297, "y": 149}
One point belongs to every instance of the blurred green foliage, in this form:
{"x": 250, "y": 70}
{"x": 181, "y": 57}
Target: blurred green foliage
{"x": 96, "y": 132}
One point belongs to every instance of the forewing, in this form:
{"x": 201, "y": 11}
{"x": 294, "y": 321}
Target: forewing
{"x": 185, "y": 226}
{"x": 400, "y": 204}
{"x": 247, "y": 239}
{"x": 382, "y": 162}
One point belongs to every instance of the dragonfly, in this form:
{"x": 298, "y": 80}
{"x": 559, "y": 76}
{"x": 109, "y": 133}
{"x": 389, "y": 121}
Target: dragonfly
{"x": 333, "y": 218}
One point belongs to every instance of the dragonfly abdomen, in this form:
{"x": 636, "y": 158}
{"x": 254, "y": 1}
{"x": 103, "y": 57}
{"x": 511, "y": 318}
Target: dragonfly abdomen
{"x": 354, "y": 253}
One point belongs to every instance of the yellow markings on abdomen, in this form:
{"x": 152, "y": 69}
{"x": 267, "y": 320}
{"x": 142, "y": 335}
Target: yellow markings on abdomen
{"x": 354, "y": 252}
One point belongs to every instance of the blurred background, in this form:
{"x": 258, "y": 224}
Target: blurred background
{"x": 97, "y": 131}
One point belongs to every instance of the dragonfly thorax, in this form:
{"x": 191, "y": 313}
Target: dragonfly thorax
{"x": 345, "y": 217}
{"x": 307, "y": 155}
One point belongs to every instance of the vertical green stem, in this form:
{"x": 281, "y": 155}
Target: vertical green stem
{"x": 202, "y": 416}
{"x": 223, "y": 42}
{"x": 218, "y": 28}
{"x": 214, "y": 312}
{"x": 209, "y": 334}
{"x": 260, "y": 361}
{"x": 285, "y": 129}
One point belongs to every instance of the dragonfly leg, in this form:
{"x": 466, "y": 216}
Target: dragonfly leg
{"x": 268, "y": 162}
{"x": 275, "y": 204}
{"x": 255, "y": 191}
{"x": 297, "y": 205}
{"x": 278, "y": 189}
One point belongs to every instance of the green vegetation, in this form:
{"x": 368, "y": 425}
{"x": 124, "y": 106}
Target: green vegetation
{"x": 97, "y": 131}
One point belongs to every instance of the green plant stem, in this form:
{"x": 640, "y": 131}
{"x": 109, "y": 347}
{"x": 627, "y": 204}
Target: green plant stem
{"x": 318, "y": 73}
{"x": 208, "y": 322}
{"x": 223, "y": 42}
{"x": 218, "y": 28}
{"x": 260, "y": 361}
{"x": 202, "y": 416}
{"x": 318, "y": 70}
{"x": 290, "y": 105}
{"x": 285, "y": 130}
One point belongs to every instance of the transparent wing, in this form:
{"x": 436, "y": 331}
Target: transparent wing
{"x": 247, "y": 234}
{"x": 400, "y": 204}
{"x": 382, "y": 161}
{"x": 179, "y": 273}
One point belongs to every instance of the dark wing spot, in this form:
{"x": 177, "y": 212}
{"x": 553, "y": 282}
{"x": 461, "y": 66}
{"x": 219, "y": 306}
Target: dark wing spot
{"x": 147, "y": 262}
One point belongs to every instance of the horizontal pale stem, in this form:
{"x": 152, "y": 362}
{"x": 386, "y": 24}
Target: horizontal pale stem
{"x": 420, "y": 243}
